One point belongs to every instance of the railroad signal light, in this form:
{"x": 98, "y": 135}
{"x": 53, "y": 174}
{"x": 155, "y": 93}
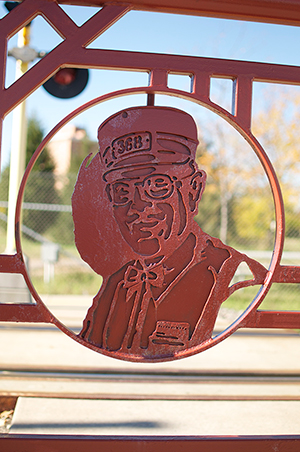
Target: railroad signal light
{"x": 10, "y": 5}
{"x": 67, "y": 83}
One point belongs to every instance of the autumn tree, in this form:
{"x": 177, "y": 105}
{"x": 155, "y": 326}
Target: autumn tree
{"x": 238, "y": 189}
{"x": 228, "y": 161}
{"x": 277, "y": 128}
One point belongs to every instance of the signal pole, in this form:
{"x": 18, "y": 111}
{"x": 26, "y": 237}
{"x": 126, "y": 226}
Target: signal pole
{"x": 67, "y": 83}
{"x": 18, "y": 144}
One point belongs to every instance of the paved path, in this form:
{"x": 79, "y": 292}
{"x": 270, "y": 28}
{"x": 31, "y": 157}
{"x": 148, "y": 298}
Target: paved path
{"x": 160, "y": 417}
{"x": 40, "y": 346}
{"x": 45, "y": 348}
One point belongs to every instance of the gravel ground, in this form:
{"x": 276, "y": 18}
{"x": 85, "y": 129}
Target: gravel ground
{"x": 5, "y": 420}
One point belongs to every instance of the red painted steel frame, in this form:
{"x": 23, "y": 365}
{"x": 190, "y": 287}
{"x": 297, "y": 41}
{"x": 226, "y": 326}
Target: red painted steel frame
{"x": 72, "y": 52}
{"x": 286, "y": 12}
{"x": 38, "y": 443}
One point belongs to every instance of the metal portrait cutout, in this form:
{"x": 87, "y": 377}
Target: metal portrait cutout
{"x": 163, "y": 299}
{"x": 125, "y": 247}
{"x": 102, "y": 253}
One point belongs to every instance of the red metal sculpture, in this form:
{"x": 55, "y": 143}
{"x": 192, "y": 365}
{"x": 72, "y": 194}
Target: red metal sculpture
{"x": 161, "y": 297}
{"x": 128, "y": 241}
{"x": 133, "y": 206}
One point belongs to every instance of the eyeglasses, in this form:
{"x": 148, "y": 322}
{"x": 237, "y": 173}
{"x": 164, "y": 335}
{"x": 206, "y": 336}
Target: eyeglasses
{"x": 155, "y": 187}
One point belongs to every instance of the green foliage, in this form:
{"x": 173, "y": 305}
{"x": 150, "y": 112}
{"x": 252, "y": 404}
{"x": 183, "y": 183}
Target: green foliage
{"x": 292, "y": 220}
{"x": 280, "y": 297}
{"x": 40, "y": 187}
{"x": 237, "y": 205}
{"x": 80, "y": 149}
{"x": 62, "y": 230}
{"x": 4, "y": 186}
{"x": 71, "y": 282}
{"x": 253, "y": 216}
{"x": 35, "y": 135}
{"x": 208, "y": 216}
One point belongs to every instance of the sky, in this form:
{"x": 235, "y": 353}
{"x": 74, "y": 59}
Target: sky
{"x": 151, "y": 32}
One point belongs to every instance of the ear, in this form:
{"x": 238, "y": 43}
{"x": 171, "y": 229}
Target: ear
{"x": 197, "y": 185}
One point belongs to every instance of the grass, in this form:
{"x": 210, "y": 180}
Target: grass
{"x": 81, "y": 281}
{"x": 281, "y": 297}
{"x": 31, "y": 248}
{"x": 292, "y": 244}
{"x": 72, "y": 283}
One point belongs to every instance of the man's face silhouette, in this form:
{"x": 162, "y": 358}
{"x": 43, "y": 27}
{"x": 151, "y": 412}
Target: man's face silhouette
{"x": 153, "y": 212}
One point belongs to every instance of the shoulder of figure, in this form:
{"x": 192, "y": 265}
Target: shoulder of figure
{"x": 109, "y": 283}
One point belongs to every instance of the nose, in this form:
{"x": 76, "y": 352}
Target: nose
{"x": 138, "y": 203}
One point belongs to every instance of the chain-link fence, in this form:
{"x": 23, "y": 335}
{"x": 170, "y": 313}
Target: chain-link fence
{"x": 47, "y": 219}
{"x": 47, "y": 235}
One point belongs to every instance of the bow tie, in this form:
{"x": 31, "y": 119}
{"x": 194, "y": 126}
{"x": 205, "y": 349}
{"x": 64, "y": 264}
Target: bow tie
{"x": 136, "y": 275}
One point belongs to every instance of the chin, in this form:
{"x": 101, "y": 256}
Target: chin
{"x": 147, "y": 247}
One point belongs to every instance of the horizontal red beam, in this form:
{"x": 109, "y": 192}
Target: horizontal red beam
{"x": 12, "y": 312}
{"x": 47, "y": 443}
{"x": 286, "y": 12}
{"x": 274, "y": 319}
{"x": 11, "y": 263}
{"x": 143, "y": 61}
{"x": 182, "y": 64}
{"x": 287, "y": 274}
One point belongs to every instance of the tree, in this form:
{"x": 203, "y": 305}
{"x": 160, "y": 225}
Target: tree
{"x": 40, "y": 185}
{"x": 80, "y": 149}
{"x": 253, "y": 217}
{"x": 228, "y": 162}
{"x": 35, "y": 135}
{"x": 237, "y": 182}
{"x": 62, "y": 229}
{"x": 277, "y": 128}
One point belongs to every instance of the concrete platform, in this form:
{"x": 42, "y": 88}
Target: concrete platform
{"x": 40, "y": 346}
{"x": 44, "y": 348}
{"x": 102, "y": 417}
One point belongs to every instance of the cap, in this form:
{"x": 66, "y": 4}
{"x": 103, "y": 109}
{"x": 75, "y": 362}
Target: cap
{"x": 141, "y": 139}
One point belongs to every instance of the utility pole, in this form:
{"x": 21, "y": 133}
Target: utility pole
{"x": 22, "y": 54}
{"x": 67, "y": 83}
